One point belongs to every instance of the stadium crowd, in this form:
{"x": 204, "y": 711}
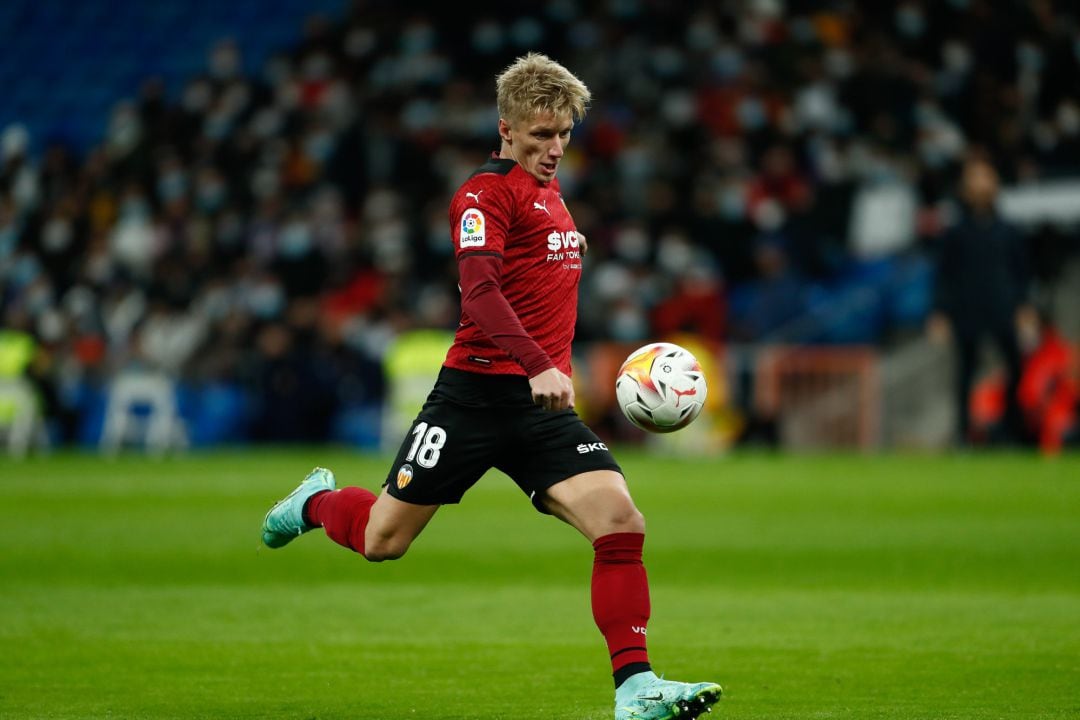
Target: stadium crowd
{"x": 275, "y": 233}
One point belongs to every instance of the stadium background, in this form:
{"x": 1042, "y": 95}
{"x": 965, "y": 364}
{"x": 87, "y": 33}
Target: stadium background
{"x": 226, "y": 220}
{"x": 247, "y": 201}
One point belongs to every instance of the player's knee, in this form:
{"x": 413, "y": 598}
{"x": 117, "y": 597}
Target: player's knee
{"x": 385, "y": 547}
{"x": 627, "y": 518}
{"x": 381, "y": 552}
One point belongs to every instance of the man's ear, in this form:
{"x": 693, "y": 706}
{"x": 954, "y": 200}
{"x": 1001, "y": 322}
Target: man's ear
{"x": 504, "y": 131}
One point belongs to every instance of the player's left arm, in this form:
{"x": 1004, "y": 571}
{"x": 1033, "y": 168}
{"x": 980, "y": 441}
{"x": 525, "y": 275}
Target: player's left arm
{"x": 483, "y": 301}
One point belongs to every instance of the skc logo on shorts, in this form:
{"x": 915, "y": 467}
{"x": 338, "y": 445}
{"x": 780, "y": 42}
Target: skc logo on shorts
{"x": 404, "y": 476}
{"x": 472, "y": 229}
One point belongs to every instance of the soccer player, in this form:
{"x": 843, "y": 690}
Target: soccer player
{"x": 504, "y": 397}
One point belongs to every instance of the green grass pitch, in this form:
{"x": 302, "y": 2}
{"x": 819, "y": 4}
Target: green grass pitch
{"x": 809, "y": 587}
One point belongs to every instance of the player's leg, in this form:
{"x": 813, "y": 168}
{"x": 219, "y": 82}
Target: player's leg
{"x": 394, "y": 524}
{"x": 598, "y": 504}
{"x": 444, "y": 453}
{"x": 379, "y": 528}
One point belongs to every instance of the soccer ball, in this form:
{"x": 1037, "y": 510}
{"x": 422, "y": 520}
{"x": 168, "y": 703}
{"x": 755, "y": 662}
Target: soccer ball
{"x": 660, "y": 387}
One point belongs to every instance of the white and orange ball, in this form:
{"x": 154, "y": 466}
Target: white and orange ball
{"x": 661, "y": 388}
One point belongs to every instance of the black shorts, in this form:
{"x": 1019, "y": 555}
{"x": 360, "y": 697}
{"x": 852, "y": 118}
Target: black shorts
{"x": 473, "y": 422}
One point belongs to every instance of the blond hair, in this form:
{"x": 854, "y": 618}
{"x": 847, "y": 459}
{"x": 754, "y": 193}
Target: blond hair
{"x": 535, "y": 83}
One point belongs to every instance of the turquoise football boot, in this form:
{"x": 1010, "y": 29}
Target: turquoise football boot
{"x": 285, "y": 521}
{"x": 647, "y": 697}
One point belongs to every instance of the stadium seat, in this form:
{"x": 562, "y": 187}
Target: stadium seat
{"x": 118, "y": 43}
{"x": 142, "y": 409}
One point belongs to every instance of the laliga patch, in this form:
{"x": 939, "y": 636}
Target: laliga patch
{"x": 472, "y": 229}
{"x": 404, "y": 476}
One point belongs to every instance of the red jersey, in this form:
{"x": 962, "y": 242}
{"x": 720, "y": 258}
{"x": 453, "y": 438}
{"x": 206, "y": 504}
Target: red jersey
{"x": 519, "y": 230}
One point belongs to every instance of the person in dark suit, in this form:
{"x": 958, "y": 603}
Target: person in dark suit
{"x": 982, "y": 290}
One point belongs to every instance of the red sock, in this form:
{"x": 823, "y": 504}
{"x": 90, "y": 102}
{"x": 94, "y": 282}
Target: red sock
{"x": 343, "y": 514}
{"x": 620, "y": 601}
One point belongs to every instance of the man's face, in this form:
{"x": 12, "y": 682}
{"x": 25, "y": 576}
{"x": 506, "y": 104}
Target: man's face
{"x": 980, "y": 184}
{"x": 537, "y": 143}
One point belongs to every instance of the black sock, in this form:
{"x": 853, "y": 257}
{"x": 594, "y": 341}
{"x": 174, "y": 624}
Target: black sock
{"x": 627, "y": 671}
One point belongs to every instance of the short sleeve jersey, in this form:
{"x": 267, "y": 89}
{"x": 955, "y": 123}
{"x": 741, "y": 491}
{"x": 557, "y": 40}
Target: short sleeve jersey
{"x": 504, "y": 211}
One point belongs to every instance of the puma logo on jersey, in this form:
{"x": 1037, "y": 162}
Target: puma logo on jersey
{"x": 538, "y": 206}
{"x": 475, "y": 196}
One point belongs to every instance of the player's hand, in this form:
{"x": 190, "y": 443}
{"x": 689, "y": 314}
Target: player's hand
{"x": 552, "y": 390}
{"x": 583, "y": 244}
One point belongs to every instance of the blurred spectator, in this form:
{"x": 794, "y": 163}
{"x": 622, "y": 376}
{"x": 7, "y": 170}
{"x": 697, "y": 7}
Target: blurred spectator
{"x": 696, "y": 305}
{"x": 1049, "y": 394}
{"x": 776, "y": 300}
{"x": 1049, "y": 391}
{"x": 982, "y": 292}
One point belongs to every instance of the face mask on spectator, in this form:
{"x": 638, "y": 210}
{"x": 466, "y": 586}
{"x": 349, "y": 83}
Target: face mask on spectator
{"x": 733, "y": 203}
{"x": 56, "y": 237}
{"x": 217, "y": 125}
{"x": 318, "y": 146}
{"x": 172, "y": 186}
{"x": 1029, "y": 57}
{"x": 25, "y": 270}
{"x": 266, "y": 300}
{"x": 957, "y": 57}
{"x": 8, "y": 236}
{"x": 295, "y": 240}
{"x": 751, "y": 114}
{"x": 230, "y": 231}
{"x": 727, "y": 62}
{"x": 418, "y": 38}
{"x": 910, "y": 21}
{"x": 1068, "y": 117}
{"x": 134, "y": 208}
{"x": 39, "y": 298}
{"x": 211, "y": 195}
{"x": 701, "y": 35}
